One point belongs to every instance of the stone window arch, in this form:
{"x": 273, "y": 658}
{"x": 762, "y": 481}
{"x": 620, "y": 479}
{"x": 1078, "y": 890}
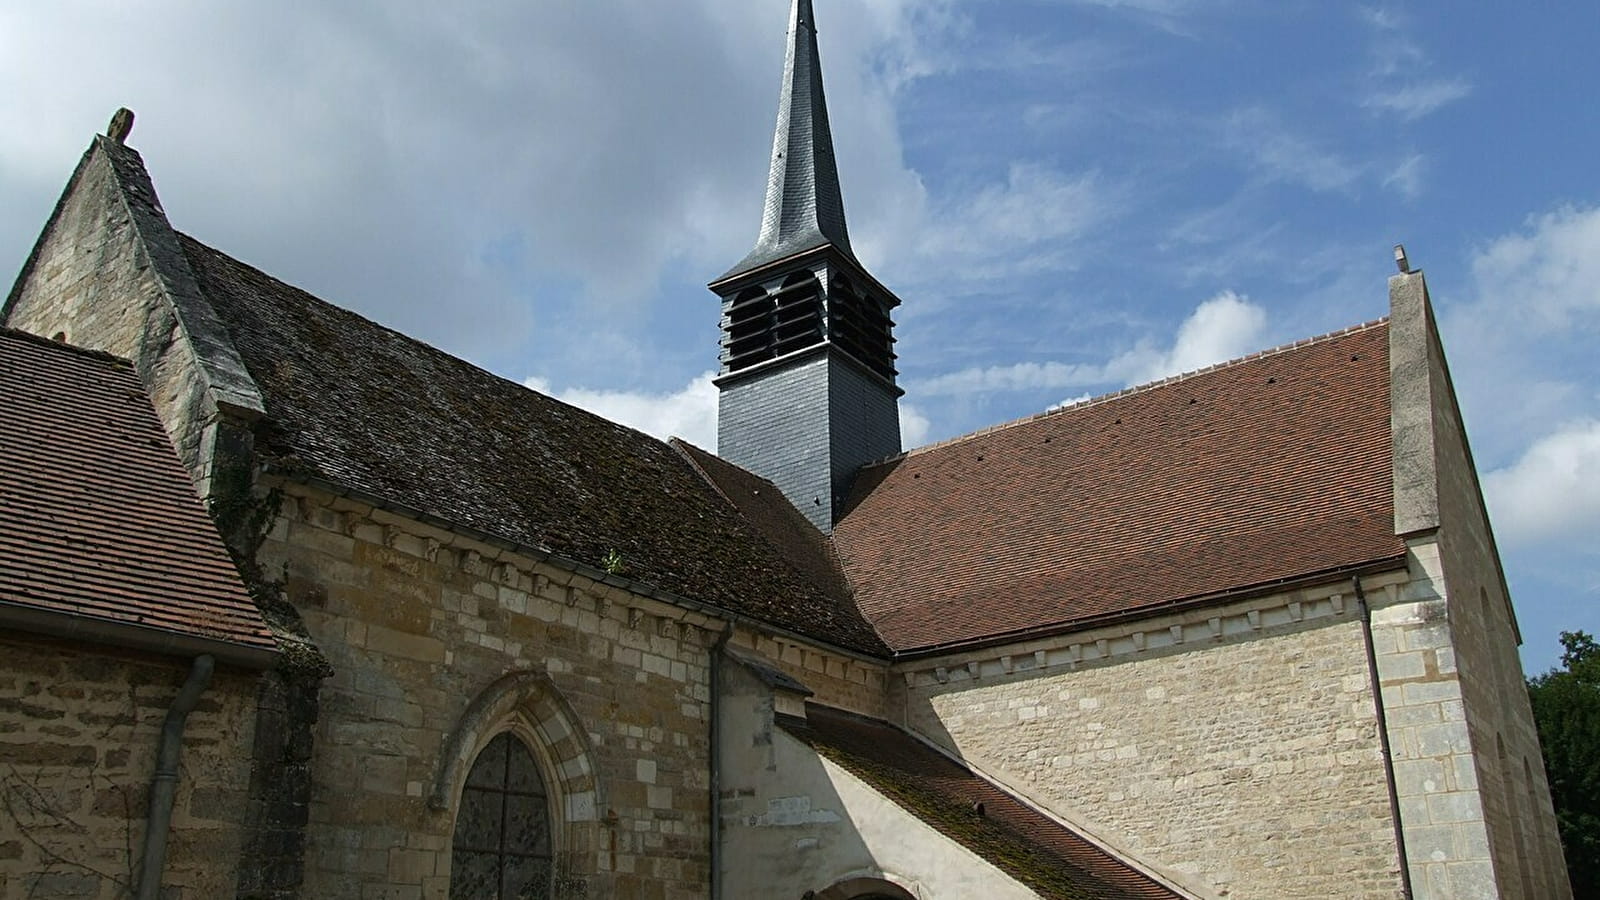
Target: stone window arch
{"x": 519, "y": 745}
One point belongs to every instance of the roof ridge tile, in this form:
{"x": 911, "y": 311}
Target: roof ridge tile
{"x": 1133, "y": 390}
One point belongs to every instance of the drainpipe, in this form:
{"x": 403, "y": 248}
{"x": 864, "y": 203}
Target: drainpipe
{"x": 164, "y": 785}
{"x": 1383, "y": 738}
{"x": 716, "y": 761}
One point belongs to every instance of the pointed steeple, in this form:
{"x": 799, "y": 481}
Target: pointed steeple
{"x": 807, "y": 390}
{"x": 804, "y": 208}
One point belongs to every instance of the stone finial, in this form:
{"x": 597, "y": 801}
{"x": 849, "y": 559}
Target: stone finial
{"x": 121, "y": 125}
{"x": 1400, "y": 259}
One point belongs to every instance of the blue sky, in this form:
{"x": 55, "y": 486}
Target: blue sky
{"x": 1070, "y": 196}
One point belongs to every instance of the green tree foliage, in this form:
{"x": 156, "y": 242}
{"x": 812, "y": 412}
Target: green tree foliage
{"x": 1566, "y": 707}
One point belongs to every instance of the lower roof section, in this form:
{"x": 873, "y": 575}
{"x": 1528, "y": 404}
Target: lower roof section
{"x": 1034, "y": 849}
{"x": 102, "y": 536}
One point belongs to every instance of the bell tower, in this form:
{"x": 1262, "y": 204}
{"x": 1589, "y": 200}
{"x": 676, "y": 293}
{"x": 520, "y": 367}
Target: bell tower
{"x": 807, "y": 381}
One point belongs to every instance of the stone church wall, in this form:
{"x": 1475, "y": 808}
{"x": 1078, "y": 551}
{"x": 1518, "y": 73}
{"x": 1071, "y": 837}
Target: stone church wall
{"x": 418, "y": 623}
{"x": 794, "y": 822}
{"x": 1473, "y": 794}
{"x": 837, "y": 680}
{"x": 1233, "y": 749}
{"x": 79, "y": 729}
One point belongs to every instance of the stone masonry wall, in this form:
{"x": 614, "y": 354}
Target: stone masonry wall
{"x": 79, "y": 728}
{"x": 794, "y": 822}
{"x": 417, "y": 623}
{"x": 1474, "y": 800}
{"x": 1473, "y": 795}
{"x": 1521, "y": 821}
{"x": 835, "y": 680}
{"x": 1455, "y": 792}
{"x": 1239, "y": 756}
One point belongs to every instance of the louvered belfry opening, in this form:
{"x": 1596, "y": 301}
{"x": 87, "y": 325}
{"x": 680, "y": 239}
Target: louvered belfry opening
{"x": 747, "y": 330}
{"x": 764, "y": 323}
{"x": 860, "y": 326}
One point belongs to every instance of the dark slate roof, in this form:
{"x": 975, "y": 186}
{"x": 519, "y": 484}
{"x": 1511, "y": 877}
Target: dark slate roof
{"x": 99, "y": 521}
{"x": 364, "y": 407}
{"x": 1271, "y": 468}
{"x": 805, "y": 207}
{"x": 1029, "y": 846}
{"x": 764, "y": 506}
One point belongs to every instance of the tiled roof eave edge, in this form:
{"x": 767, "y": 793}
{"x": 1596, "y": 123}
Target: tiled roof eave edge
{"x": 131, "y": 635}
{"x": 1377, "y": 566}
{"x": 226, "y": 378}
{"x": 1161, "y": 877}
{"x": 546, "y": 555}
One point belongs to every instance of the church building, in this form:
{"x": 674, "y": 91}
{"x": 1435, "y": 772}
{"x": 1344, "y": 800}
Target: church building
{"x": 1240, "y": 633}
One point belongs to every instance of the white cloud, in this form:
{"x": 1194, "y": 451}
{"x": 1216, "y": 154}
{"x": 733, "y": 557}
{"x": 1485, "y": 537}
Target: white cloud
{"x": 1023, "y": 376}
{"x": 1521, "y": 348}
{"x": 1222, "y": 328}
{"x": 1407, "y": 176}
{"x": 1553, "y": 491}
{"x": 1280, "y": 154}
{"x": 914, "y": 426}
{"x": 689, "y": 413}
{"x": 1030, "y": 222}
{"x": 464, "y": 173}
{"x": 1400, "y": 80}
{"x": 1413, "y": 101}
{"x": 1551, "y": 270}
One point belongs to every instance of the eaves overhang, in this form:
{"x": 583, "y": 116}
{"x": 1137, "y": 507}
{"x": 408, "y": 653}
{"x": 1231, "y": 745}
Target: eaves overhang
{"x": 1183, "y": 604}
{"x": 76, "y": 627}
{"x": 546, "y": 555}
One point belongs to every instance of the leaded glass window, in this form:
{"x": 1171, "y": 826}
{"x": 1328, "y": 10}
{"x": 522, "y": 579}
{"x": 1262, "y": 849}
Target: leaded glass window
{"x": 502, "y": 840}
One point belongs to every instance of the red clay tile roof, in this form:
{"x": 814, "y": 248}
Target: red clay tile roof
{"x": 98, "y": 518}
{"x": 1270, "y": 468}
{"x": 1027, "y": 845}
{"x": 367, "y": 408}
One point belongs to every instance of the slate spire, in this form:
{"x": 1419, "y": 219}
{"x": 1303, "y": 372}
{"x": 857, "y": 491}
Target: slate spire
{"x": 805, "y": 208}
{"x": 807, "y": 389}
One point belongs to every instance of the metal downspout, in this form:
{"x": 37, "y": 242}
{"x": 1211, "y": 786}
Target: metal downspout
{"x": 716, "y": 762}
{"x": 164, "y": 784}
{"x": 1383, "y": 739}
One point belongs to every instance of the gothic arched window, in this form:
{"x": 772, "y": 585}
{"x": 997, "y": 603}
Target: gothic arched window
{"x": 502, "y": 840}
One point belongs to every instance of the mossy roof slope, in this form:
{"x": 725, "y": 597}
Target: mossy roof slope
{"x": 364, "y": 407}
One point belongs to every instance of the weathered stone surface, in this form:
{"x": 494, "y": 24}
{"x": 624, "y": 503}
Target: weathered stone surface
{"x": 415, "y": 632}
{"x": 1243, "y": 764}
{"x": 73, "y": 809}
{"x": 1459, "y": 720}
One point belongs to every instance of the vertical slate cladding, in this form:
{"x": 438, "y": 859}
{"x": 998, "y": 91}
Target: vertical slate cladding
{"x": 776, "y": 425}
{"x": 864, "y": 422}
{"x": 809, "y": 427}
